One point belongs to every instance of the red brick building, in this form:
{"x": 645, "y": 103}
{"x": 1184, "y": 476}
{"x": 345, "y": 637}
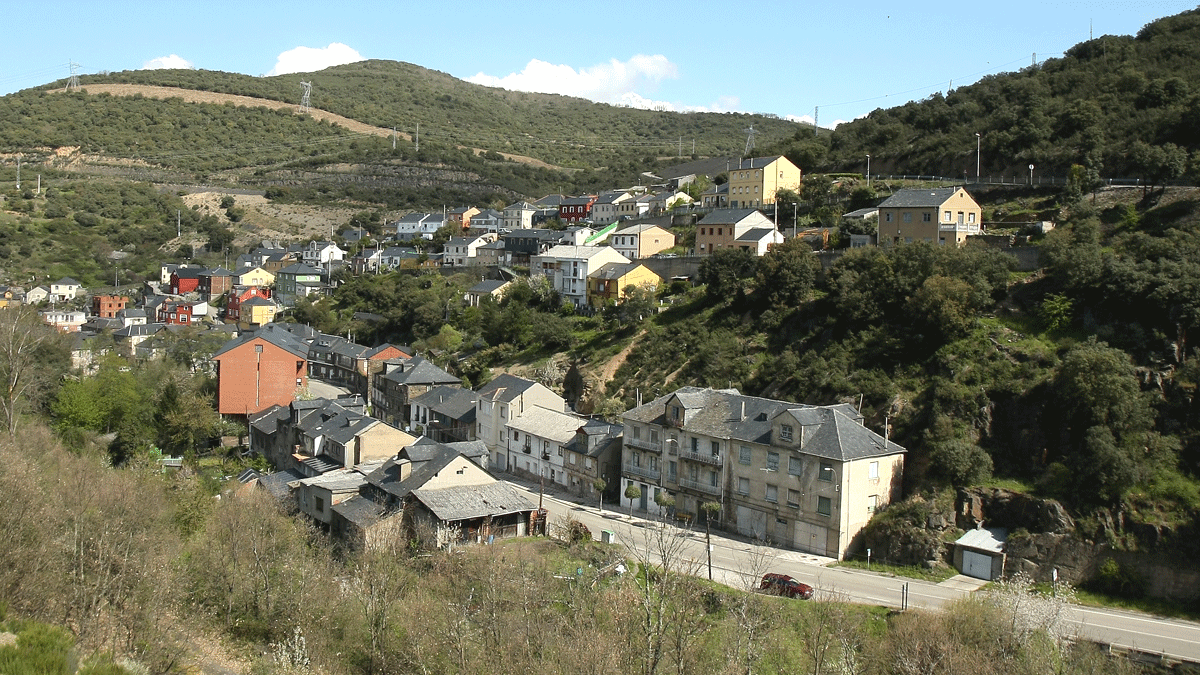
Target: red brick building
{"x": 185, "y": 280}
{"x": 259, "y": 370}
{"x": 107, "y": 306}
{"x": 576, "y": 209}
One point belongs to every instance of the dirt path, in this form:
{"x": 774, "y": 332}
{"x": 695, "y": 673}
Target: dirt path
{"x": 610, "y": 369}
{"x": 196, "y": 96}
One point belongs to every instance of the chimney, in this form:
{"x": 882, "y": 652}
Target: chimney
{"x": 405, "y": 468}
{"x": 743, "y": 418}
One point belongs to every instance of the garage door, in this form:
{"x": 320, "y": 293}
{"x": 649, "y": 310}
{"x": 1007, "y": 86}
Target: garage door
{"x": 811, "y": 538}
{"x": 751, "y": 523}
{"x": 977, "y": 565}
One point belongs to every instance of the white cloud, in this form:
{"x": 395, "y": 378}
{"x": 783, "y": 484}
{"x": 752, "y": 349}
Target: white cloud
{"x": 614, "y": 82}
{"x": 172, "y": 61}
{"x": 311, "y": 59}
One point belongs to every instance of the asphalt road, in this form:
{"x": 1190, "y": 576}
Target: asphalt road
{"x": 740, "y": 563}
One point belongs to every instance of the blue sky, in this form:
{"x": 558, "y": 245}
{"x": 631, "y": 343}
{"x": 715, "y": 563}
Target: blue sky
{"x": 847, "y": 58}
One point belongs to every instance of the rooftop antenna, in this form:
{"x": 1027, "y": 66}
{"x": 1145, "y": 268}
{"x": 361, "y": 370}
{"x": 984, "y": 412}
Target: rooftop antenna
{"x": 305, "y": 99}
{"x": 749, "y": 139}
{"x": 73, "y": 82}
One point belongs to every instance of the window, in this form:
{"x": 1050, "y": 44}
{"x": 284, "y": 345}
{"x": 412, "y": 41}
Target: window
{"x": 970, "y": 217}
{"x": 637, "y": 433}
{"x": 926, "y": 217}
{"x": 795, "y": 466}
{"x": 873, "y": 471}
{"x": 793, "y": 497}
{"x": 872, "y": 503}
{"x": 716, "y": 449}
{"x": 772, "y": 461}
{"x": 772, "y": 493}
{"x": 587, "y": 463}
{"x": 744, "y": 455}
{"x": 654, "y": 435}
{"x": 826, "y": 472}
{"x": 637, "y": 459}
{"x": 675, "y": 412}
{"x": 824, "y": 506}
{"x": 319, "y": 504}
{"x": 671, "y": 469}
{"x": 516, "y": 435}
{"x": 947, "y": 216}
{"x": 572, "y": 457}
{"x": 696, "y": 445}
{"x": 887, "y": 217}
{"x": 785, "y": 433}
{"x": 743, "y": 486}
{"x": 906, "y": 216}
{"x": 712, "y": 478}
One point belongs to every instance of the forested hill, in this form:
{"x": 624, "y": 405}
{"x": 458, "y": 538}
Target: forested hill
{"x": 1121, "y": 105}
{"x": 558, "y": 129}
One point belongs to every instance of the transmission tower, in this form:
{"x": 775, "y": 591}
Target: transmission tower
{"x": 749, "y": 139}
{"x": 73, "y": 83}
{"x": 305, "y": 102}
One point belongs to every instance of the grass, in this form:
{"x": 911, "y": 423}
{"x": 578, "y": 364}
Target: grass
{"x": 935, "y": 575}
{"x": 1156, "y": 606}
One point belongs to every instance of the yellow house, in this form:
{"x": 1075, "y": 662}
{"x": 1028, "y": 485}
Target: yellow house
{"x": 754, "y": 182}
{"x": 941, "y": 215}
{"x": 641, "y": 240}
{"x": 610, "y": 281}
{"x": 258, "y": 311}
{"x": 256, "y": 276}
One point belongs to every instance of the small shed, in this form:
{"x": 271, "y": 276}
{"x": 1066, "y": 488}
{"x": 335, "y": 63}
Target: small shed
{"x": 980, "y": 553}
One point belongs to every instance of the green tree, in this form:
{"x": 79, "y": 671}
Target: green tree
{"x": 32, "y": 357}
{"x": 726, "y": 272}
{"x": 787, "y": 273}
{"x": 632, "y": 493}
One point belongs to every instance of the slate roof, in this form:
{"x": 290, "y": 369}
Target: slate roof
{"x": 434, "y": 456}
{"x": 276, "y": 484}
{"x": 473, "y": 501}
{"x": 280, "y": 338}
{"x": 614, "y": 270}
{"x": 603, "y": 433}
{"x": 550, "y": 200}
{"x": 453, "y": 402}
{"x": 488, "y": 286}
{"x": 639, "y": 228}
{"x": 266, "y": 421}
{"x": 728, "y": 414}
{"x": 419, "y": 370}
{"x": 919, "y": 198}
{"x": 139, "y": 330}
{"x": 569, "y": 252}
{"x": 726, "y": 216}
{"x": 299, "y": 269}
{"x": 361, "y": 511}
{"x": 505, "y": 387}
{"x": 546, "y": 423}
{"x": 756, "y": 234}
{"x": 755, "y": 162}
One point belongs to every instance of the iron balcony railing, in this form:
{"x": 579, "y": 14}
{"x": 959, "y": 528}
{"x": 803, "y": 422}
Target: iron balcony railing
{"x": 642, "y": 471}
{"x": 700, "y": 487}
{"x": 703, "y": 457}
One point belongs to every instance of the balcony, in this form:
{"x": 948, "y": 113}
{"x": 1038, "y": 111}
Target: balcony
{"x": 643, "y": 444}
{"x": 700, "y": 487}
{"x": 702, "y": 457}
{"x": 641, "y": 471}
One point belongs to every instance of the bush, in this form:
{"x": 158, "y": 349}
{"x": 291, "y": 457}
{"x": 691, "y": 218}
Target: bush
{"x": 1118, "y": 580}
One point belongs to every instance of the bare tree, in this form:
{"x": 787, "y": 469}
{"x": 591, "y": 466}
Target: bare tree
{"x": 28, "y": 360}
{"x": 663, "y": 584}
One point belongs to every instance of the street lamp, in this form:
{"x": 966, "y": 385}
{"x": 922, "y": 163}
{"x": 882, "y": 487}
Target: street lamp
{"x": 868, "y": 170}
{"x": 1030, "y": 175}
{"x": 978, "y": 141}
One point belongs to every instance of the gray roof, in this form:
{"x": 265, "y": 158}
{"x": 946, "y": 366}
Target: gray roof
{"x": 361, "y": 511}
{"x": 473, "y": 501}
{"x": 862, "y": 213}
{"x": 298, "y": 269}
{"x": 639, "y": 228}
{"x": 756, "y": 234}
{"x": 419, "y": 370}
{"x": 989, "y": 539}
{"x": 614, "y": 270}
{"x": 488, "y": 286}
{"x": 505, "y": 387}
{"x": 266, "y": 421}
{"x": 280, "y": 338}
{"x": 919, "y": 198}
{"x": 726, "y": 216}
{"x": 728, "y": 414}
{"x": 453, "y": 402}
{"x": 276, "y": 484}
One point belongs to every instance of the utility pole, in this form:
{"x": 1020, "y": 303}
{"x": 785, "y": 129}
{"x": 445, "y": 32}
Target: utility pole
{"x": 178, "y": 224}
{"x": 18, "y": 172}
{"x": 393, "y": 137}
{"x": 417, "y": 138}
{"x": 306, "y": 97}
{"x": 978, "y": 141}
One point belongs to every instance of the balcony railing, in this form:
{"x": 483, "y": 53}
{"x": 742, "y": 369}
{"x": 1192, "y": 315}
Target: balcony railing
{"x": 642, "y": 471}
{"x": 643, "y": 444}
{"x": 700, "y": 487}
{"x": 703, "y": 457}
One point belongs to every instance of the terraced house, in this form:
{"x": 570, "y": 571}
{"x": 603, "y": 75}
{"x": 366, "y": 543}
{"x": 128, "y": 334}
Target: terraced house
{"x": 801, "y": 476}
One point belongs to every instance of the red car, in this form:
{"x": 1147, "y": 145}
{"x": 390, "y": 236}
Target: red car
{"x": 782, "y": 584}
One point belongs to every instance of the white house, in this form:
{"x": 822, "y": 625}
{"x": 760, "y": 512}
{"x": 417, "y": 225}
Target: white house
{"x": 519, "y": 216}
{"x": 462, "y": 251}
{"x": 568, "y": 268}
{"x": 419, "y": 226}
{"x": 535, "y": 443}
{"x": 319, "y": 253}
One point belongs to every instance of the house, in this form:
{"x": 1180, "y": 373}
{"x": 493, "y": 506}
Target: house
{"x": 519, "y": 216}
{"x": 488, "y": 288}
{"x": 868, "y": 213}
{"x": 400, "y": 381}
{"x": 240, "y": 294}
{"x": 165, "y": 270}
{"x": 634, "y": 208}
{"x": 354, "y": 235}
{"x": 257, "y": 311}
{"x": 568, "y": 268}
{"x": 463, "y": 251}
{"x": 754, "y": 182}
{"x": 501, "y": 401}
{"x": 552, "y": 201}
{"x": 258, "y": 370}
{"x": 445, "y": 413}
{"x": 181, "y": 312}
{"x": 368, "y": 260}
{"x": 319, "y": 253}
{"x": 131, "y": 336}
{"x": 344, "y": 437}
{"x": 534, "y": 445}
{"x": 431, "y": 492}
{"x": 254, "y": 276}
{"x": 418, "y": 226}
{"x": 608, "y": 283}
{"x": 492, "y": 254}
{"x": 806, "y": 477}
{"x": 594, "y": 453}
{"x": 521, "y": 245}
{"x": 185, "y": 280}
{"x": 64, "y": 289}
{"x": 931, "y": 215}
{"x": 397, "y": 257}
{"x": 64, "y": 320}
{"x": 349, "y": 364}
{"x": 214, "y": 283}
{"x": 641, "y": 240}
{"x": 665, "y": 201}
{"x": 132, "y": 316}
{"x": 296, "y": 281}
{"x": 605, "y": 206}
{"x": 735, "y": 228}
{"x": 576, "y": 209}
{"x": 487, "y": 220}
{"x": 37, "y": 295}
{"x": 460, "y": 217}
{"x": 317, "y": 495}
{"x": 107, "y": 306}
{"x": 715, "y": 197}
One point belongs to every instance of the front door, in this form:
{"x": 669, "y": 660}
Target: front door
{"x": 645, "y": 495}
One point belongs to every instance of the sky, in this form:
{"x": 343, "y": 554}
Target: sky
{"x": 837, "y": 61}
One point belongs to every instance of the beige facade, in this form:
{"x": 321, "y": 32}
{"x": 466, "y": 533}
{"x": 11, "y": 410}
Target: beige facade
{"x": 255, "y": 277}
{"x": 641, "y": 241}
{"x": 754, "y": 182}
{"x": 935, "y": 216}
